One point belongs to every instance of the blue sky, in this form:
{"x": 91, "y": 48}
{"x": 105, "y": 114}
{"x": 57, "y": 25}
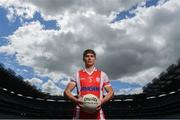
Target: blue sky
{"x": 7, "y": 27}
{"x": 57, "y": 26}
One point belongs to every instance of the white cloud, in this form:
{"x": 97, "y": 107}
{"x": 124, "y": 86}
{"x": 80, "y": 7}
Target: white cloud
{"x": 142, "y": 77}
{"x": 129, "y": 91}
{"x": 7, "y": 49}
{"x": 103, "y": 7}
{"x": 35, "y": 82}
{"x": 54, "y": 87}
{"x": 57, "y": 8}
{"x": 28, "y": 42}
{"x": 50, "y": 87}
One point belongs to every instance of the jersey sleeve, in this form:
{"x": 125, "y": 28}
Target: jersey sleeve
{"x": 105, "y": 79}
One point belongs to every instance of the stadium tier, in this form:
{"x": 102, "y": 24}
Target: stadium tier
{"x": 160, "y": 99}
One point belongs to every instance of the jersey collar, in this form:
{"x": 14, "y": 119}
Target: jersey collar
{"x": 90, "y": 73}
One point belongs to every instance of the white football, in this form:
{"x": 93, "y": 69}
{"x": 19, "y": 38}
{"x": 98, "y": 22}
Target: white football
{"x": 90, "y": 102}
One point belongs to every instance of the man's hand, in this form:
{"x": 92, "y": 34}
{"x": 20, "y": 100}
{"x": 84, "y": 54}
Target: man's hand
{"x": 79, "y": 102}
{"x": 99, "y": 105}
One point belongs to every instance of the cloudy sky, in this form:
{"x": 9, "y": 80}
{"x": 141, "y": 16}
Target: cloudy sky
{"x": 135, "y": 40}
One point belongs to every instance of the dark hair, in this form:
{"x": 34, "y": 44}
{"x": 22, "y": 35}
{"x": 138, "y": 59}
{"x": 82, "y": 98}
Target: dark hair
{"x": 88, "y": 51}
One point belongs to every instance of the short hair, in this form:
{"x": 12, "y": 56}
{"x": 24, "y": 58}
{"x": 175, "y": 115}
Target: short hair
{"x": 88, "y": 51}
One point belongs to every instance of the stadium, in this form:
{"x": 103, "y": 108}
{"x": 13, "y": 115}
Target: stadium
{"x": 159, "y": 99}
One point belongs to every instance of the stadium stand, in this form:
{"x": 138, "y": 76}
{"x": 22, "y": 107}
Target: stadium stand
{"x": 160, "y": 99}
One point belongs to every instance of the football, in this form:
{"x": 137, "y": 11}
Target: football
{"x": 90, "y": 102}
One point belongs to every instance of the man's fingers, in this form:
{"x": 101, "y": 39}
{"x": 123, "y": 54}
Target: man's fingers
{"x": 80, "y": 102}
{"x": 81, "y": 105}
{"x": 98, "y": 108}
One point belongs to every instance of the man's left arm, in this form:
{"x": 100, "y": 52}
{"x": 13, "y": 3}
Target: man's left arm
{"x": 109, "y": 95}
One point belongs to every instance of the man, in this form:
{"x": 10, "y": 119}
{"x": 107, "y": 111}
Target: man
{"x": 89, "y": 80}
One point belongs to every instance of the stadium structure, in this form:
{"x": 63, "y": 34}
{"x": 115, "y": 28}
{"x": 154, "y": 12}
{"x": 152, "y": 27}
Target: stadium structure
{"x": 159, "y": 99}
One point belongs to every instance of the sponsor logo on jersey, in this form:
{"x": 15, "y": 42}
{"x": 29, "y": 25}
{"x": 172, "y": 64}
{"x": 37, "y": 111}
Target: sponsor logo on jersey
{"x": 92, "y": 88}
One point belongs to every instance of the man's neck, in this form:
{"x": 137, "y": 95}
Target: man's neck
{"x": 89, "y": 69}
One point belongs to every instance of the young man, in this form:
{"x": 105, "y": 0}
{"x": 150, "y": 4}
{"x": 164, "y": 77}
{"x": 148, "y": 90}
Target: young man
{"x": 89, "y": 80}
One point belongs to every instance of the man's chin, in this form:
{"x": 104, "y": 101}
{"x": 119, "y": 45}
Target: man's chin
{"x": 90, "y": 64}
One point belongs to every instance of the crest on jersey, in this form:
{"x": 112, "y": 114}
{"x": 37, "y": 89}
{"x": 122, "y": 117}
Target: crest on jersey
{"x": 98, "y": 79}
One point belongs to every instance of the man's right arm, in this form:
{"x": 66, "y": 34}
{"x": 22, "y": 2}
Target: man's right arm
{"x": 78, "y": 101}
{"x": 68, "y": 90}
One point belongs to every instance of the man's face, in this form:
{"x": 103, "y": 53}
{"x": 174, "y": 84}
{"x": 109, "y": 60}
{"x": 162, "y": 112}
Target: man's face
{"x": 89, "y": 59}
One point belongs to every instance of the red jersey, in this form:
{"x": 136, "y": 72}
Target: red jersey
{"x": 92, "y": 83}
